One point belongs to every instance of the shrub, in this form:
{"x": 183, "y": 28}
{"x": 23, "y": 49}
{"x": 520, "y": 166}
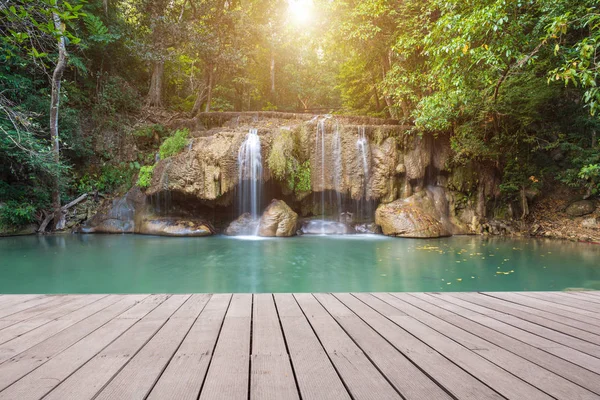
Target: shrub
{"x": 14, "y": 214}
{"x": 145, "y": 176}
{"x": 174, "y": 144}
{"x": 591, "y": 173}
{"x": 110, "y": 178}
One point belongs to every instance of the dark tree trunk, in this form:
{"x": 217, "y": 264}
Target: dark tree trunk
{"x": 155, "y": 93}
{"x": 59, "y": 220}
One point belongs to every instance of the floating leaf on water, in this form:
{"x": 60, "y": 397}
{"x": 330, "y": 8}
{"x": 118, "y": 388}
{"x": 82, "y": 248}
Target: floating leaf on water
{"x": 459, "y": 279}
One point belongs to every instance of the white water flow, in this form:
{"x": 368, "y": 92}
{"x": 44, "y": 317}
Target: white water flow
{"x": 362, "y": 145}
{"x": 320, "y": 147}
{"x": 337, "y": 166}
{"x": 250, "y": 175}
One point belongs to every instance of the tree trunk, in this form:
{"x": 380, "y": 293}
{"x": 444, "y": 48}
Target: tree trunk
{"x": 199, "y": 100}
{"x": 156, "y": 83}
{"x": 59, "y": 220}
{"x": 211, "y": 73}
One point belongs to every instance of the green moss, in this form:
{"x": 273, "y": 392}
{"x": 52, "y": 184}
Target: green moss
{"x": 174, "y": 144}
{"x": 284, "y": 161}
{"x": 145, "y": 176}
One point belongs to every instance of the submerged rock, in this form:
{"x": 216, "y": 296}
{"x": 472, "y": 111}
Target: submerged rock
{"x": 415, "y": 217}
{"x": 278, "y": 220}
{"x": 371, "y": 228}
{"x": 243, "y": 225}
{"x": 174, "y": 227}
{"x": 579, "y": 208}
{"x": 320, "y": 227}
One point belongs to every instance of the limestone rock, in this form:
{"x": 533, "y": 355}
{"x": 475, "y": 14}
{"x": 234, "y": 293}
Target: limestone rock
{"x": 414, "y": 217}
{"x": 579, "y": 208}
{"x": 243, "y": 225}
{"x": 117, "y": 217}
{"x": 278, "y": 220}
{"x": 593, "y": 223}
{"x": 174, "y": 227}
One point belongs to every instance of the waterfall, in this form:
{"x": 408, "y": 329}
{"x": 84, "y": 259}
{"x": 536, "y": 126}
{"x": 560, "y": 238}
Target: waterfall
{"x": 362, "y": 145}
{"x": 320, "y": 147}
{"x": 337, "y": 166}
{"x": 250, "y": 175}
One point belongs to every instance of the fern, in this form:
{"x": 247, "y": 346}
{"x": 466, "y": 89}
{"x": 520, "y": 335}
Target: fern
{"x": 98, "y": 31}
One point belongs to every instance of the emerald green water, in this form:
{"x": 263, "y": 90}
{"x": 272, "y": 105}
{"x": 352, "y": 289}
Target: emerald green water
{"x": 149, "y": 264}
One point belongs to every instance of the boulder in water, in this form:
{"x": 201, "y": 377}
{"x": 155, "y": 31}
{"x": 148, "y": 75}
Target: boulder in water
{"x": 118, "y": 217}
{"x": 174, "y": 227}
{"x": 579, "y": 208}
{"x": 368, "y": 228}
{"x": 413, "y": 217}
{"x": 278, "y": 220}
{"x": 243, "y": 225}
{"x": 321, "y": 227}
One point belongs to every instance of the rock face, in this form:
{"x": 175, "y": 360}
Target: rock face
{"x": 278, "y": 220}
{"x": 579, "y": 208}
{"x": 243, "y": 225}
{"x": 132, "y": 214}
{"x": 118, "y": 217}
{"x": 413, "y": 217}
{"x": 174, "y": 227}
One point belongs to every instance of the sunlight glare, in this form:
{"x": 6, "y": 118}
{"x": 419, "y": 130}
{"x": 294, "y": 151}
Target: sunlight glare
{"x": 300, "y": 11}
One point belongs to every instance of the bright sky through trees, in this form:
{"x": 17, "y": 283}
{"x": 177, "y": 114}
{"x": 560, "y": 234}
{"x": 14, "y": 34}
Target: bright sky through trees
{"x": 300, "y": 11}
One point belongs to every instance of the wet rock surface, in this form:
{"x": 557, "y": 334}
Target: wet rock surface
{"x": 243, "y": 225}
{"x": 278, "y": 220}
{"x": 319, "y": 227}
{"x": 174, "y": 227}
{"x": 413, "y": 217}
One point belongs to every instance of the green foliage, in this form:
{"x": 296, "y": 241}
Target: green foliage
{"x": 110, "y": 178}
{"x": 174, "y": 144}
{"x": 14, "y": 214}
{"x": 299, "y": 177}
{"x": 591, "y": 174}
{"x": 145, "y": 176}
{"x": 284, "y": 161}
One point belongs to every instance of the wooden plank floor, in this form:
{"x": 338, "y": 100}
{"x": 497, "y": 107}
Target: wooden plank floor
{"x": 500, "y": 345}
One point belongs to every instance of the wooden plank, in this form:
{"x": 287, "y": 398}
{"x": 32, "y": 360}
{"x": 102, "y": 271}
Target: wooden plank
{"x": 408, "y": 380}
{"x": 35, "y": 311}
{"x": 454, "y": 379}
{"x": 541, "y": 326}
{"x": 88, "y": 380}
{"x": 137, "y": 378}
{"x": 495, "y": 377}
{"x": 44, "y": 378}
{"x": 500, "y": 323}
{"x": 476, "y": 325}
{"x": 271, "y": 375}
{"x": 183, "y": 377}
{"x": 229, "y": 370}
{"x": 37, "y": 355}
{"x": 544, "y": 379}
{"x": 565, "y": 312}
{"x": 360, "y": 376}
{"x": 18, "y": 345}
{"x": 9, "y": 300}
{"x": 317, "y": 378}
{"x": 17, "y": 305}
{"x": 583, "y": 295}
{"x": 560, "y": 298}
{"x": 57, "y": 310}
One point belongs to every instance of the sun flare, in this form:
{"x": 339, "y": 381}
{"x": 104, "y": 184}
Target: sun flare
{"x": 300, "y": 11}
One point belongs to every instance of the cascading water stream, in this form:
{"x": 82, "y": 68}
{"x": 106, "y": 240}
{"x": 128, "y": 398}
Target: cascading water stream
{"x": 362, "y": 145}
{"x": 250, "y": 175}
